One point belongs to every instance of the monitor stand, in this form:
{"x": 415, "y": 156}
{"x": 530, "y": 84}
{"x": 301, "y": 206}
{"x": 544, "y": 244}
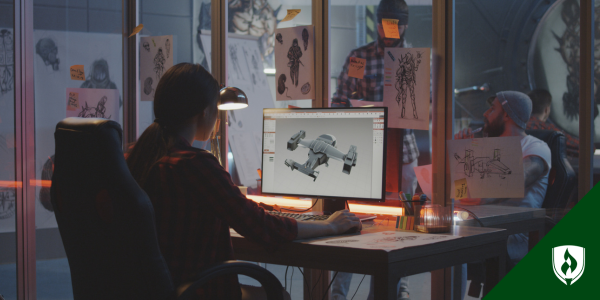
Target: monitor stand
{"x": 332, "y": 205}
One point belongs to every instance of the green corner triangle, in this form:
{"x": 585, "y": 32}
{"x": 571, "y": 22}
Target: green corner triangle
{"x": 534, "y": 277}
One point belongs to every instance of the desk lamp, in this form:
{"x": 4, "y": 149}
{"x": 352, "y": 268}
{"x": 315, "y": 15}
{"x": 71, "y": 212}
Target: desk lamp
{"x": 230, "y": 98}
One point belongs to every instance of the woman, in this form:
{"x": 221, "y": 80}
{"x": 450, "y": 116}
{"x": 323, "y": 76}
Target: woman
{"x": 194, "y": 199}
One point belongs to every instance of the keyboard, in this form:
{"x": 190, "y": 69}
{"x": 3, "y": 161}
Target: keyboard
{"x": 299, "y": 217}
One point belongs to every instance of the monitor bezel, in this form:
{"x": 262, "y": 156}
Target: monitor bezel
{"x": 385, "y": 123}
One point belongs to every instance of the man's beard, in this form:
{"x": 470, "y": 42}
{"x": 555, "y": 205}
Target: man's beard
{"x": 495, "y": 128}
{"x": 395, "y": 42}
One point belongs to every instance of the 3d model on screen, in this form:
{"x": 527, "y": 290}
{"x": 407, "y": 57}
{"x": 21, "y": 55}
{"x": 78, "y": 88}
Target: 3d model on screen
{"x": 483, "y": 165}
{"x": 320, "y": 151}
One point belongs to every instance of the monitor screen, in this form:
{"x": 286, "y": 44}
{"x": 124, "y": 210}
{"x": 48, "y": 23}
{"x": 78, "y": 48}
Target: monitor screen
{"x": 325, "y": 152}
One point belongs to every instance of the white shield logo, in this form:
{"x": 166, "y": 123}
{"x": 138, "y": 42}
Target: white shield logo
{"x": 568, "y": 263}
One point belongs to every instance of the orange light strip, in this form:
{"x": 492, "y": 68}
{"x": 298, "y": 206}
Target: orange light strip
{"x": 19, "y": 184}
{"x": 376, "y": 210}
{"x": 297, "y": 203}
{"x": 42, "y": 183}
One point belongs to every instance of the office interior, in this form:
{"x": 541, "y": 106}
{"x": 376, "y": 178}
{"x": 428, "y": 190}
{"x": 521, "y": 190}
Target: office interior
{"x": 478, "y": 48}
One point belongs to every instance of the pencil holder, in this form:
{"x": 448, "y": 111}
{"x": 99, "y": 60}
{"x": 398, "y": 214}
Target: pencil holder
{"x": 433, "y": 218}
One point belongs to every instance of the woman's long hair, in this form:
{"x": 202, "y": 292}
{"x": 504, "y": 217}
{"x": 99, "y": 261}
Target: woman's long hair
{"x": 183, "y": 92}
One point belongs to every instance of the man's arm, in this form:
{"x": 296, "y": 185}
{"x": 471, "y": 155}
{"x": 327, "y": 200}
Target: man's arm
{"x": 534, "y": 168}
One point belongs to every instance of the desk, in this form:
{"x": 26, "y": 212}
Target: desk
{"x": 513, "y": 219}
{"x": 476, "y": 244}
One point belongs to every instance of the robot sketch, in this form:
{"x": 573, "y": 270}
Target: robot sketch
{"x": 94, "y": 112}
{"x": 320, "y": 151}
{"x": 294, "y": 55}
{"x": 159, "y": 63}
{"x": 406, "y": 79}
{"x": 483, "y": 165}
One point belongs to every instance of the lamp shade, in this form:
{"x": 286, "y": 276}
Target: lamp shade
{"x": 232, "y": 98}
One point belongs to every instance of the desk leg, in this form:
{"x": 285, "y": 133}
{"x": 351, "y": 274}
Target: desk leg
{"x": 536, "y": 236}
{"x": 495, "y": 269}
{"x": 385, "y": 285}
{"x": 318, "y": 281}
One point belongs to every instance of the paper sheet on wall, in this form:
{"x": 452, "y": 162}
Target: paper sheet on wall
{"x": 294, "y": 63}
{"x": 156, "y": 57}
{"x": 93, "y": 103}
{"x": 386, "y": 240}
{"x": 406, "y": 90}
{"x": 493, "y": 167}
{"x": 425, "y": 179}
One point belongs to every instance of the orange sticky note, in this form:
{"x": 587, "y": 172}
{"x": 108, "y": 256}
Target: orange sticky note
{"x": 461, "y": 189}
{"x": 136, "y": 30}
{"x": 390, "y": 28}
{"x": 77, "y": 72}
{"x": 292, "y": 13}
{"x": 73, "y": 101}
{"x": 356, "y": 68}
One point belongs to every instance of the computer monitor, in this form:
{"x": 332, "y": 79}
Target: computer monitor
{"x": 329, "y": 153}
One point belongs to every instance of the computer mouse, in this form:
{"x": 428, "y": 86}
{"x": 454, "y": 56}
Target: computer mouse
{"x": 352, "y": 230}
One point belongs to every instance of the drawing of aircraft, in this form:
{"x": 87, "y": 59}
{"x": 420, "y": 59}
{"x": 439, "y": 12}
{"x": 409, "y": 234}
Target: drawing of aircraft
{"x": 320, "y": 151}
{"x": 483, "y": 165}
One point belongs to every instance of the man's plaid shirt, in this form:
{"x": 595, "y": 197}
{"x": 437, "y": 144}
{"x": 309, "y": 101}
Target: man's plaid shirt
{"x": 370, "y": 88}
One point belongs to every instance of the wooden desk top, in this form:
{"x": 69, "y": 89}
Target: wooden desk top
{"x": 493, "y": 215}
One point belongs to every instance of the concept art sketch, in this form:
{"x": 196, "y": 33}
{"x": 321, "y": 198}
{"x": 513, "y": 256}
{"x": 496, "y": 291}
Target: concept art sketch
{"x": 294, "y": 55}
{"x": 305, "y": 89}
{"x": 235, "y": 61}
{"x": 146, "y": 46}
{"x": 94, "y": 112}
{"x": 305, "y": 38}
{"x": 148, "y": 86}
{"x": 47, "y": 50}
{"x": 483, "y": 165}
{"x": 99, "y": 77}
{"x": 406, "y": 80}
{"x": 320, "y": 151}
{"x": 7, "y": 65}
{"x": 159, "y": 63}
{"x": 281, "y": 88}
{"x": 279, "y": 38}
{"x": 168, "y": 47}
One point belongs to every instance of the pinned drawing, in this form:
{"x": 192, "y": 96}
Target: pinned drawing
{"x": 95, "y": 103}
{"x": 406, "y": 88}
{"x": 46, "y": 48}
{"x": 296, "y": 60}
{"x": 99, "y": 77}
{"x": 492, "y": 167}
{"x": 281, "y": 88}
{"x": 7, "y": 64}
{"x": 155, "y": 60}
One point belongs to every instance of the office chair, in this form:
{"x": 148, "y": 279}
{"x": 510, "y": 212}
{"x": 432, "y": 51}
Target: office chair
{"x": 107, "y": 223}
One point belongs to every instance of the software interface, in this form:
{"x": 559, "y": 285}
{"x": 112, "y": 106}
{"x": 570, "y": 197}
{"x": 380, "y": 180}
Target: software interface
{"x": 324, "y": 152}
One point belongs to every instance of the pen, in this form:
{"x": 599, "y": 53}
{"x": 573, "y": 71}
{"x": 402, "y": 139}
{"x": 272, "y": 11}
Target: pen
{"x": 477, "y": 130}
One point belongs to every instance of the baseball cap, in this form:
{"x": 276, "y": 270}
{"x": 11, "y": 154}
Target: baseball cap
{"x": 517, "y": 105}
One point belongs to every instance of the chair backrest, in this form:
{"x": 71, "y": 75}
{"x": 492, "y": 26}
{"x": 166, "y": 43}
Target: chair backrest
{"x": 105, "y": 219}
{"x": 561, "y": 180}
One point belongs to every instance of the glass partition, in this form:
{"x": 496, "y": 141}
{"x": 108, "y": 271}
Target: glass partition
{"x": 8, "y": 186}
{"x": 77, "y": 73}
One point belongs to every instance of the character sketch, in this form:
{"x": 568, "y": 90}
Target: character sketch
{"x": 99, "y": 77}
{"x": 235, "y": 61}
{"x": 320, "y": 151}
{"x": 483, "y": 165}
{"x": 305, "y": 89}
{"x": 7, "y": 64}
{"x": 148, "y": 86}
{"x": 94, "y": 112}
{"x": 146, "y": 46}
{"x": 159, "y": 63}
{"x": 294, "y": 55}
{"x": 281, "y": 88}
{"x": 47, "y": 50}
{"x": 168, "y": 47}
{"x": 305, "y": 38}
{"x": 406, "y": 79}
{"x": 279, "y": 38}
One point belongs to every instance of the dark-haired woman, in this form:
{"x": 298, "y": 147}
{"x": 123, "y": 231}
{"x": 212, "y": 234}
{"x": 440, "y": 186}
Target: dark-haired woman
{"x": 194, "y": 199}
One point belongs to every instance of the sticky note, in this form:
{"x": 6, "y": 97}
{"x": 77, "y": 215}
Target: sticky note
{"x": 461, "y": 188}
{"x": 136, "y": 30}
{"x": 356, "y": 68}
{"x": 73, "y": 101}
{"x": 390, "y": 28}
{"x": 77, "y": 72}
{"x": 292, "y": 13}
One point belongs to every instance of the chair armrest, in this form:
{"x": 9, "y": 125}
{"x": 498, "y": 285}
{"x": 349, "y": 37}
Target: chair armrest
{"x": 269, "y": 282}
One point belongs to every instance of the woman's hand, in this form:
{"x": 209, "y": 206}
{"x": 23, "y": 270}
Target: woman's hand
{"x": 344, "y": 221}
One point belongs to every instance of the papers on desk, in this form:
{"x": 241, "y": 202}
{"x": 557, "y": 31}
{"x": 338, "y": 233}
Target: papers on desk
{"x": 386, "y": 240}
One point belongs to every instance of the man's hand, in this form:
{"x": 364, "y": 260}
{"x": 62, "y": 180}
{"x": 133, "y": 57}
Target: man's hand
{"x": 534, "y": 169}
{"x": 464, "y": 134}
{"x": 343, "y": 221}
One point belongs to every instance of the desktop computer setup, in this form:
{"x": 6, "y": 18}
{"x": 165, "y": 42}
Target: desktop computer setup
{"x": 332, "y": 154}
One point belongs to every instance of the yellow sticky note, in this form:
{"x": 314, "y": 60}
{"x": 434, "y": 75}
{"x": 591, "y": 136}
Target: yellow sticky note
{"x": 73, "y": 101}
{"x": 390, "y": 28}
{"x": 77, "y": 72}
{"x": 292, "y": 13}
{"x": 136, "y": 30}
{"x": 356, "y": 68}
{"x": 461, "y": 188}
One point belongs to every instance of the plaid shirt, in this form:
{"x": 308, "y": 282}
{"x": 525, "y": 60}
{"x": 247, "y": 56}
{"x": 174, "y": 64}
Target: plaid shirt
{"x": 195, "y": 203}
{"x": 370, "y": 88}
{"x": 572, "y": 143}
